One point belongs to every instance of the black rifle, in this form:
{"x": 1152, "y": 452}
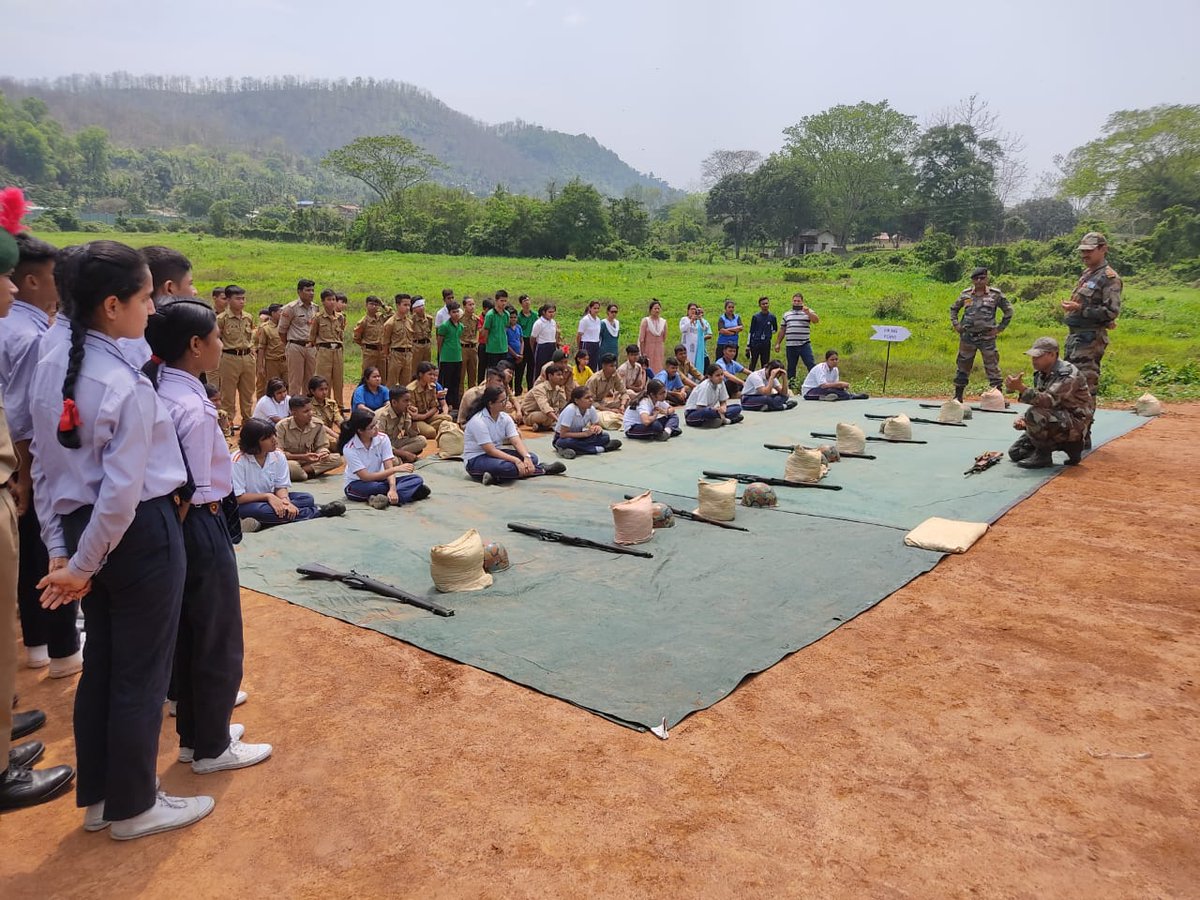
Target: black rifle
{"x": 791, "y": 447}
{"x": 557, "y": 537}
{"x": 984, "y": 461}
{"x": 776, "y": 482}
{"x": 364, "y": 583}
{"x": 870, "y": 437}
{"x": 696, "y": 517}
{"x": 1007, "y": 412}
{"x": 879, "y": 416}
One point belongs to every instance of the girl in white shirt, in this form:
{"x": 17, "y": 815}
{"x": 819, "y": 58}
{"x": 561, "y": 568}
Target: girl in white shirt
{"x": 262, "y": 483}
{"x": 766, "y": 389}
{"x": 545, "y": 336}
{"x": 652, "y": 418}
{"x": 579, "y": 430}
{"x": 371, "y": 467}
{"x": 273, "y": 404}
{"x": 824, "y": 382}
{"x": 588, "y": 336}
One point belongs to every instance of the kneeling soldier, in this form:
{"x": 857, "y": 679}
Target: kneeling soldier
{"x": 1060, "y": 408}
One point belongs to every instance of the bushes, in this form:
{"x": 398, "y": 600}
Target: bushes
{"x": 1031, "y": 290}
{"x": 894, "y": 306}
{"x": 949, "y": 270}
{"x": 1157, "y": 373}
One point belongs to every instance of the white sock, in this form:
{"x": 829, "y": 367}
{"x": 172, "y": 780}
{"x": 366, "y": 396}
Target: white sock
{"x": 599, "y": 449}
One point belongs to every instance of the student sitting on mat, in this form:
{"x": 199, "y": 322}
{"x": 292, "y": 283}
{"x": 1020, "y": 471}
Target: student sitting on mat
{"x": 395, "y": 421}
{"x": 672, "y": 381}
{"x": 370, "y": 394}
{"x": 607, "y": 387}
{"x": 689, "y": 373}
{"x": 304, "y": 442}
{"x": 261, "y": 482}
{"x": 708, "y": 405}
{"x": 371, "y": 467}
{"x": 633, "y": 374}
{"x": 734, "y": 370}
{"x": 579, "y": 429}
{"x": 557, "y": 356}
{"x": 326, "y": 410}
{"x": 488, "y": 430}
{"x": 652, "y": 417}
{"x": 428, "y": 408}
{"x": 542, "y": 405}
{"x": 582, "y": 372}
{"x": 766, "y": 389}
{"x": 273, "y": 404}
{"x": 822, "y": 382}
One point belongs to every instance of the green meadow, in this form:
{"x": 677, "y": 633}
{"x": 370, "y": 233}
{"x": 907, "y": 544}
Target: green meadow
{"x": 1156, "y": 345}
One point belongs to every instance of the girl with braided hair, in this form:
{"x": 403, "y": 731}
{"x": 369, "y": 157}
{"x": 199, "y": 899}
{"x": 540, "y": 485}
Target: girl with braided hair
{"x": 109, "y": 479}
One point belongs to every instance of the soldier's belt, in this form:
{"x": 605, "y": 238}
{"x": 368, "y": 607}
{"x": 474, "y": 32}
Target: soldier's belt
{"x": 426, "y": 341}
{"x": 299, "y": 343}
{"x": 372, "y": 346}
{"x": 235, "y": 352}
{"x": 398, "y": 349}
{"x": 330, "y": 345}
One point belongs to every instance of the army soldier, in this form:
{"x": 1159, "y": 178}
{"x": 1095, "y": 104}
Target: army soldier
{"x": 271, "y": 357}
{"x": 978, "y": 329}
{"x": 237, "y": 363}
{"x": 398, "y": 338}
{"x": 368, "y": 334}
{"x": 294, "y": 324}
{"x": 1092, "y": 312}
{"x": 327, "y": 333}
{"x": 422, "y": 327}
{"x": 1060, "y": 408}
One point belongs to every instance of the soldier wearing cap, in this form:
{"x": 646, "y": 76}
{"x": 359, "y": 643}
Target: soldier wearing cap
{"x": 1092, "y": 311}
{"x": 270, "y": 351}
{"x": 978, "y": 329}
{"x": 1060, "y": 408}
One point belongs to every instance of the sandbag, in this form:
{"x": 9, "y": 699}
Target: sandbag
{"x": 458, "y": 566}
{"x": 718, "y": 500}
{"x": 449, "y": 440}
{"x": 633, "y": 520}
{"x": 1148, "y": 405}
{"x": 831, "y": 453}
{"x": 611, "y": 421}
{"x": 850, "y": 438}
{"x": 991, "y": 400}
{"x": 951, "y": 411}
{"x": 897, "y": 428}
{"x": 945, "y": 535}
{"x": 805, "y": 466}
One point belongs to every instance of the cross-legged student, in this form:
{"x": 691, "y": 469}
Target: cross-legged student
{"x": 428, "y": 410}
{"x": 633, "y": 373}
{"x": 687, "y": 371}
{"x": 304, "y": 442}
{"x": 734, "y": 370}
{"x": 273, "y": 404}
{"x": 708, "y": 405}
{"x": 766, "y": 389}
{"x": 208, "y": 650}
{"x": 109, "y": 478}
{"x": 824, "y": 382}
{"x": 579, "y": 429}
{"x": 371, "y": 467}
{"x": 490, "y": 377}
{"x": 237, "y": 363}
{"x": 326, "y": 410}
{"x": 396, "y": 422}
{"x": 652, "y": 418}
{"x": 370, "y": 394}
{"x": 489, "y": 429}
{"x": 541, "y": 406}
{"x": 676, "y": 389}
{"x": 607, "y": 387}
{"x": 262, "y": 483}
{"x": 582, "y": 372}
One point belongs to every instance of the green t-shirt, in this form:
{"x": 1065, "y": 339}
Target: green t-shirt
{"x": 451, "y": 335}
{"x": 495, "y": 324}
{"x": 526, "y": 320}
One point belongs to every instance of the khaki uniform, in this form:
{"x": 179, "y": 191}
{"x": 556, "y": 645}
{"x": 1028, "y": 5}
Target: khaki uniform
{"x": 541, "y": 404}
{"x": 470, "y": 352}
{"x": 328, "y": 334}
{"x": 978, "y": 323}
{"x": 329, "y": 413}
{"x": 309, "y": 439}
{"x": 423, "y": 400}
{"x": 398, "y": 337}
{"x": 8, "y": 585}
{"x": 402, "y": 431}
{"x": 635, "y": 378}
{"x": 1060, "y": 411}
{"x": 1099, "y": 292}
{"x": 368, "y": 334}
{"x": 294, "y": 324}
{"x": 609, "y": 392}
{"x": 237, "y": 363}
{"x": 422, "y": 328}
{"x": 271, "y": 357}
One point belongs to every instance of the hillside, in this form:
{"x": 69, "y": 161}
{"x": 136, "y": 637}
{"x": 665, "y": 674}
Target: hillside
{"x": 309, "y": 118}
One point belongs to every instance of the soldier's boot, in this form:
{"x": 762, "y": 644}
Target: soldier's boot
{"x": 1022, "y": 448}
{"x": 1087, "y": 439}
{"x": 1074, "y": 452}
{"x": 959, "y": 390}
{"x": 1039, "y": 459}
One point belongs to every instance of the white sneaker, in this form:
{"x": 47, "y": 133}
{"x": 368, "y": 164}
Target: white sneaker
{"x": 67, "y": 665}
{"x": 238, "y": 756}
{"x": 241, "y": 698}
{"x": 187, "y": 754}
{"x": 37, "y": 657}
{"x": 166, "y": 814}
{"x": 93, "y": 818}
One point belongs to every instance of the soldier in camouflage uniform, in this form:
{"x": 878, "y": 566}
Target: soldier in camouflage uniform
{"x": 1092, "y": 312}
{"x": 1060, "y": 408}
{"x": 978, "y": 329}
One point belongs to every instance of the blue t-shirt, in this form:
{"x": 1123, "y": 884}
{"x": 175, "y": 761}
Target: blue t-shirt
{"x": 371, "y": 401}
{"x": 671, "y": 384}
{"x": 516, "y": 339}
{"x": 731, "y": 366}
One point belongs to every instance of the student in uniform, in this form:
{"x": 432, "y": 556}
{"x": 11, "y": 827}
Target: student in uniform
{"x": 368, "y": 334}
{"x": 270, "y": 352}
{"x": 421, "y": 328}
{"x": 582, "y": 372}
{"x": 488, "y": 431}
{"x": 652, "y": 417}
{"x": 327, "y": 332}
{"x": 729, "y": 329}
{"x": 304, "y": 442}
{"x": 633, "y": 373}
{"x": 469, "y": 339}
{"x": 689, "y": 373}
{"x": 428, "y": 410}
{"x": 823, "y": 382}
{"x": 708, "y": 405}
{"x": 371, "y": 467}
{"x": 734, "y": 381}
{"x": 450, "y": 355}
{"x": 766, "y": 389}
{"x": 545, "y": 337}
{"x": 208, "y": 651}
{"x": 541, "y": 406}
{"x": 579, "y": 430}
{"x": 495, "y": 332}
{"x": 398, "y": 338}
{"x": 237, "y": 365}
{"x": 587, "y": 337}
{"x": 109, "y": 479}
{"x": 676, "y": 390}
{"x": 262, "y": 484}
{"x": 516, "y": 341}
{"x": 273, "y": 404}
{"x": 370, "y": 394}
{"x": 526, "y": 318}
{"x": 326, "y": 410}
{"x": 607, "y": 386}
{"x": 396, "y": 422}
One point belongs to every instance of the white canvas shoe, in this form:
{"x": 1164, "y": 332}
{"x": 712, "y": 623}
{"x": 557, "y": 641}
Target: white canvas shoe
{"x": 37, "y": 657}
{"x": 187, "y": 754}
{"x": 68, "y": 665}
{"x": 241, "y": 698}
{"x": 238, "y": 756}
{"x": 166, "y": 814}
{"x": 93, "y": 818}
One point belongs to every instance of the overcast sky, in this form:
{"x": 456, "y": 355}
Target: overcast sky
{"x": 662, "y": 83}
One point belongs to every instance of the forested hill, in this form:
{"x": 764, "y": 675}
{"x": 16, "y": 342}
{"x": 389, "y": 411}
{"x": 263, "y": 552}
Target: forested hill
{"x": 310, "y": 118}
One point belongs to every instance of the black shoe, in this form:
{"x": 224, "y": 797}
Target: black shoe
{"x": 612, "y": 446}
{"x": 25, "y": 755}
{"x": 790, "y": 404}
{"x": 1022, "y": 448}
{"x": 959, "y": 390}
{"x": 1039, "y": 459}
{"x": 735, "y": 420}
{"x": 663, "y": 435}
{"x": 860, "y": 396}
{"x": 422, "y": 492}
{"x": 333, "y": 509}
{"x": 27, "y": 722}
{"x": 23, "y": 786}
{"x": 1074, "y": 453}
{"x": 554, "y": 468}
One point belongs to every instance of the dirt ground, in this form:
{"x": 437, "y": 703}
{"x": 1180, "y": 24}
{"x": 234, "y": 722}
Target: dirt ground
{"x": 972, "y": 735}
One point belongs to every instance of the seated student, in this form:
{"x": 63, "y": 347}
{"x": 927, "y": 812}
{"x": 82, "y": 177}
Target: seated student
{"x": 506, "y": 369}
{"x": 689, "y": 373}
{"x": 708, "y": 405}
{"x": 579, "y": 429}
{"x": 371, "y": 467}
{"x": 672, "y": 381}
{"x": 633, "y": 373}
{"x": 491, "y": 377}
{"x": 395, "y": 421}
{"x": 429, "y": 409}
{"x": 261, "y": 482}
{"x": 734, "y": 379}
{"x": 766, "y": 389}
{"x": 487, "y": 431}
{"x": 370, "y": 394}
{"x": 304, "y": 442}
{"x": 326, "y": 410}
{"x": 214, "y": 397}
{"x": 607, "y": 387}
{"x": 273, "y": 405}
{"x": 556, "y": 356}
{"x": 652, "y": 418}
{"x": 541, "y": 405}
{"x": 582, "y": 371}
{"x": 822, "y": 382}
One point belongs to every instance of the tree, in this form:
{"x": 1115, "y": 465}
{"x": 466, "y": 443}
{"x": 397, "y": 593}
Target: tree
{"x": 1011, "y": 170}
{"x": 1046, "y": 217}
{"x": 729, "y": 204}
{"x": 389, "y": 165}
{"x": 858, "y": 158}
{"x": 629, "y": 220}
{"x": 781, "y": 197}
{"x": 577, "y": 220}
{"x": 956, "y": 174}
{"x": 1146, "y": 161}
{"x": 93, "y": 148}
{"x": 720, "y": 163}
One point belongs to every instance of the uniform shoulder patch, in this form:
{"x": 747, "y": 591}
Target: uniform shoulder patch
{"x": 1111, "y": 272}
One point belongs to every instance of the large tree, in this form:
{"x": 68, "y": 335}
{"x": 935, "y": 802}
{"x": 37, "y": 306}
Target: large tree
{"x": 388, "y": 164}
{"x": 720, "y": 163}
{"x": 858, "y": 158}
{"x": 1045, "y": 217}
{"x": 956, "y": 177}
{"x": 729, "y": 204}
{"x": 1011, "y": 169}
{"x": 781, "y": 197}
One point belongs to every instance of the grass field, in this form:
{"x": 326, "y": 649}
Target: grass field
{"x": 1158, "y": 323}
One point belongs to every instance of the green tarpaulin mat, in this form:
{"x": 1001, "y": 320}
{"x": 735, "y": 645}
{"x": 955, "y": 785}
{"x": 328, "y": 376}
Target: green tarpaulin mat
{"x": 640, "y": 640}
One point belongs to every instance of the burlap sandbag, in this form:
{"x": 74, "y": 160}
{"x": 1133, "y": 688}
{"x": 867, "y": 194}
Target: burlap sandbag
{"x": 897, "y": 428}
{"x": 1148, "y": 405}
{"x": 449, "y": 440}
{"x": 458, "y": 566}
{"x": 718, "y": 500}
{"x": 805, "y": 466}
{"x": 951, "y": 411}
{"x": 991, "y": 400}
{"x": 611, "y": 421}
{"x": 850, "y": 438}
{"x": 633, "y": 520}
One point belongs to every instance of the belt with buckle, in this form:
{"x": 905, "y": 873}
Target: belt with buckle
{"x": 401, "y": 349}
{"x": 298, "y": 343}
{"x": 213, "y": 508}
{"x": 330, "y": 346}
{"x": 372, "y": 346}
{"x": 236, "y": 352}
{"x": 420, "y": 342}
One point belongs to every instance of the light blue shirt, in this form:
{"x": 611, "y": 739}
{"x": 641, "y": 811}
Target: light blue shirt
{"x": 20, "y": 348}
{"x": 732, "y": 366}
{"x": 483, "y": 429}
{"x": 371, "y": 401}
{"x": 571, "y": 419}
{"x": 199, "y": 432}
{"x": 359, "y": 457}
{"x": 251, "y": 478}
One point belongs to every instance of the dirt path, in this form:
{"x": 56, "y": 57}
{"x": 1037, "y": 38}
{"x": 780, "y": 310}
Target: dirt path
{"x": 938, "y": 745}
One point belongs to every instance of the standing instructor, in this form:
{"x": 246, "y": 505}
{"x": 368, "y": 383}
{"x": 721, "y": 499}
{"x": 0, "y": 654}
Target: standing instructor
{"x": 977, "y": 330}
{"x": 1091, "y": 313}
{"x": 294, "y": 324}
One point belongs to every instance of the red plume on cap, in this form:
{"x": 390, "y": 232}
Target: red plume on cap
{"x": 12, "y": 209}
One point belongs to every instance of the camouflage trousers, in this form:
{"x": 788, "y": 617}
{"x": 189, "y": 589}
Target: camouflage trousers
{"x": 967, "y": 345}
{"x": 1084, "y": 350}
{"x": 1050, "y": 429}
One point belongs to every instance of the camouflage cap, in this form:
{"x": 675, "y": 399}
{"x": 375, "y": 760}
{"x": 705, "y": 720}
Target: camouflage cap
{"x": 1042, "y": 346}
{"x": 1091, "y": 241}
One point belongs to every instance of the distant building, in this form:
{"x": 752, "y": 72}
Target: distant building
{"x": 809, "y": 240}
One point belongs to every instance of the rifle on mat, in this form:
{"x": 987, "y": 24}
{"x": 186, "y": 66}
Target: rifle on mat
{"x": 984, "y": 461}
{"x": 870, "y": 437}
{"x": 776, "y": 482}
{"x": 791, "y": 447}
{"x": 880, "y": 416}
{"x": 557, "y": 537}
{"x": 365, "y": 583}
{"x": 1007, "y": 412}
{"x": 696, "y": 517}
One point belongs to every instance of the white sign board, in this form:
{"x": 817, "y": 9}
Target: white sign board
{"x": 892, "y": 333}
